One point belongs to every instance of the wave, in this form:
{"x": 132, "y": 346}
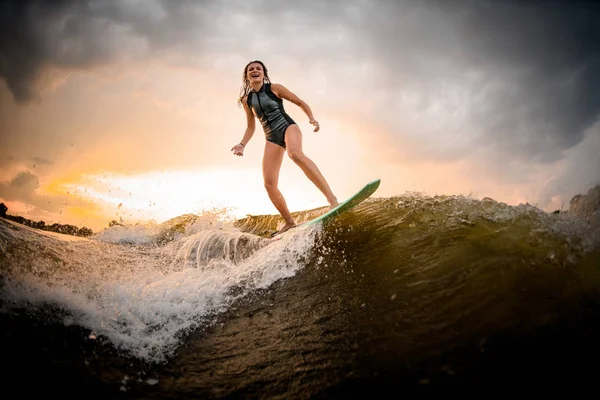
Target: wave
{"x": 430, "y": 272}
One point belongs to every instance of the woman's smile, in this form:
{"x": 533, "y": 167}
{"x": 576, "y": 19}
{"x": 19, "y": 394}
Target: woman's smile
{"x": 254, "y": 73}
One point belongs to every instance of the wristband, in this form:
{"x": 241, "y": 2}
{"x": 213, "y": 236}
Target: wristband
{"x": 243, "y": 145}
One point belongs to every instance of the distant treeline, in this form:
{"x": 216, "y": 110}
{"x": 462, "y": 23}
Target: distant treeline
{"x": 59, "y": 228}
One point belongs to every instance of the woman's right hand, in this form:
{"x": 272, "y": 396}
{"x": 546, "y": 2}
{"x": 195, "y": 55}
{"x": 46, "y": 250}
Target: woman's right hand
{"x": 238, "y": 149}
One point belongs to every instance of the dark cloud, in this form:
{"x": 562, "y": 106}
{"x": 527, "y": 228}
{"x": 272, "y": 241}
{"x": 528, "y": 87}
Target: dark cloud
{"x": 79, "y": 34}
{"x": 23, "y": 187}
{"x": 549, "y": 54}
{"x": 25, "y": 181}
{"x": 520, "y": 77}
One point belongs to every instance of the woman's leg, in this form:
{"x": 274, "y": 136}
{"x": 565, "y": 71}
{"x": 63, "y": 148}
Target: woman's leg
{"x": 272, "y": 160}
{"x": 293, "y": 142}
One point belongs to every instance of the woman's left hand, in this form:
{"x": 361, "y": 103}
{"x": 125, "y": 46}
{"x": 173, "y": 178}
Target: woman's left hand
{"x": 238, "y": 149}
{"x": 315, "y": 123}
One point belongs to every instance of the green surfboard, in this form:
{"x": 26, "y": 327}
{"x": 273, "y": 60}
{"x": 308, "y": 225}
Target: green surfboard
{"x": 353, "y": 201}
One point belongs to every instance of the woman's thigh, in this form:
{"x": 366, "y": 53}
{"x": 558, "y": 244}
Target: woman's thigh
{"x": 272, "y": 159}
{"x": 293, "y": 140}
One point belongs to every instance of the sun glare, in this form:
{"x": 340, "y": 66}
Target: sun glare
{"x": 162, "y": 195}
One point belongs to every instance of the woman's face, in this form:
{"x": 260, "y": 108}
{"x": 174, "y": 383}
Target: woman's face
{"x": 255, "y": 73}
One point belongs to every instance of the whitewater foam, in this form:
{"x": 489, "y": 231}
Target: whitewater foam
{"x": 145, "y": 299}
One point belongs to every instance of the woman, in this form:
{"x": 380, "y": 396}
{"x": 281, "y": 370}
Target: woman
{"x": 264, "y": 100}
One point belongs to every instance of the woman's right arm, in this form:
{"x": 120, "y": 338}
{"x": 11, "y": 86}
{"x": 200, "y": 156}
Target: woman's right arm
{"x": 238, "y": 149}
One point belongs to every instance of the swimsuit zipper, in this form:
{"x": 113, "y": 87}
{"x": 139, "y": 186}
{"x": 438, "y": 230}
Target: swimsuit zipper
{"x": 261, "y": 108}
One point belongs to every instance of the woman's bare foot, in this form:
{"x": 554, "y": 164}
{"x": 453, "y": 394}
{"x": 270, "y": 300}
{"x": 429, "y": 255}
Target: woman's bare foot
{"x": 286, "y": 227}
{"x": 333, "y": 204}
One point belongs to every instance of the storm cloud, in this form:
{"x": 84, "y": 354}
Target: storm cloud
{"x": 523, "y": 78}
{"x": 23, "y": 187}
{"x": 71, "y": 34}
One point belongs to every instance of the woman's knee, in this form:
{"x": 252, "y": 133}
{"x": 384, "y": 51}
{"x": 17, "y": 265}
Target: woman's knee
{"x": 297, "y": 156}
{"x": 270, "y": 185}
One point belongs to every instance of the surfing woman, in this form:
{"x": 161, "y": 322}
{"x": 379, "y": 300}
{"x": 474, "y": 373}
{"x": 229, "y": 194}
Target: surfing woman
{"x": 264, "y": 100}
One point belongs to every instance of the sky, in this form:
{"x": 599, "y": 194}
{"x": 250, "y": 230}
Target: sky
{"x": 127, "y": 109}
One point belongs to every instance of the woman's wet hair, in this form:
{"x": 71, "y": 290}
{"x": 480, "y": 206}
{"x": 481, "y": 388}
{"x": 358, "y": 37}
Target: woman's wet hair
{"x": 246, "y": 88}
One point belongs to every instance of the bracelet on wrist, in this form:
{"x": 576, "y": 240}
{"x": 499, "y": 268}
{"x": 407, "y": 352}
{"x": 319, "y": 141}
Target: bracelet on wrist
{"x": 243, "y": 145}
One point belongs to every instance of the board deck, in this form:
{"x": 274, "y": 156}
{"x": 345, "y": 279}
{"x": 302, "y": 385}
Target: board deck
{"x": 351, "y": 202}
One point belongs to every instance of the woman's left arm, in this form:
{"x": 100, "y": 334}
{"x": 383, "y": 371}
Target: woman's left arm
{"x": 283, "y": 93}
